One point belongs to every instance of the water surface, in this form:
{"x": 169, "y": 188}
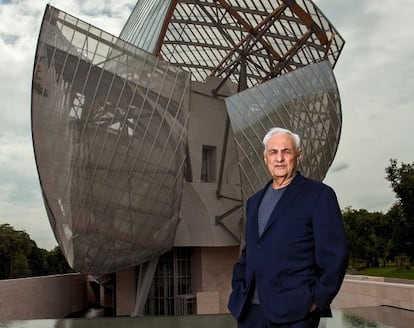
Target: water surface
{"x": 367, "y": 317}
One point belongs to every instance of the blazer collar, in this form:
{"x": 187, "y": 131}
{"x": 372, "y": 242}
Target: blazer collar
{"x": 288, "y": 196}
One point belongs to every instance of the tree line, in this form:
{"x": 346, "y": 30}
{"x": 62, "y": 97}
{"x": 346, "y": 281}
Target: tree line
{"x": 375, "y": 238}
{"x": 20, "y": 257}
{"x": 380, "y": 239}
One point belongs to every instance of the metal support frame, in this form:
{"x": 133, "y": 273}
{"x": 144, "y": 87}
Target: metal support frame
{"x": 145, "y": 278}
{"x": 220, "y": 218}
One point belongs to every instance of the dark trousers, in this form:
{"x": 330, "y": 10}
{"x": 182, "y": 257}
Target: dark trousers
{"x": 253, "y": 318}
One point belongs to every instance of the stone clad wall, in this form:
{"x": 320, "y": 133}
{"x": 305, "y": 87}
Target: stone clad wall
{"x": 214, "y": 274}
{"x": 48, "y": 297}
{"x": 126, "y": 288}
{"x": 53, "y": 297}
{"x": 361, "y": 291}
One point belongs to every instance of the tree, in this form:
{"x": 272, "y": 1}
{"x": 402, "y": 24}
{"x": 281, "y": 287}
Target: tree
{"x": 37, "y": 261}
{"x": 359, "y": 234}
{"x": 20, "y": 266}
{"x": 402, "y": 182}
{"x": 368, "y": 234}
{"x": 397, "y": 240}
{"x": 56, "y": 262}
{"x": 20, "y": 256}
{"x": 15, "y": 247}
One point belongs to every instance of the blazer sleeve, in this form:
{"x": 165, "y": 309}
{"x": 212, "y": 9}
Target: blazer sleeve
{"x": 331, "y": 248}
{"x": 239, "y": 293}
{"x": 239, "y": 270}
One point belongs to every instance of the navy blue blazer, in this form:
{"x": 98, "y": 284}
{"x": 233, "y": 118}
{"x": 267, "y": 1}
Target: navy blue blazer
{"x": 301, "y": 257}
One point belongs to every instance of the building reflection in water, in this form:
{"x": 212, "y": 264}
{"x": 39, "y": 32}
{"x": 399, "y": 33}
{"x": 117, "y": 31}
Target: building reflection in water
{"x": 372, "y": 317}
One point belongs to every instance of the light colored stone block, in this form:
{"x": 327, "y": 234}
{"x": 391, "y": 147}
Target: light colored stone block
{"x": 360, "y": 291}
{"x": 45, "y": 297}
{"x": 208, "y": 302}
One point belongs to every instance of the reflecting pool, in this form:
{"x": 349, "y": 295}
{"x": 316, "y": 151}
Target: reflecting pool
{"x": 368, "y": 317}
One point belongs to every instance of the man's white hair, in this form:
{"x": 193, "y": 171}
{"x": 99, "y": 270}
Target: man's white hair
{"x": 278, "y": 130}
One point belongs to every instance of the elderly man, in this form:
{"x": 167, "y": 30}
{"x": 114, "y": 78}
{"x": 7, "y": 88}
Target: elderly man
{"x": 296, "y": 251}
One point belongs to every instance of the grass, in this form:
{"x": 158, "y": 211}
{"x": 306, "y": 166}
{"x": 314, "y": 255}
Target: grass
{"x": 389, "y": 272}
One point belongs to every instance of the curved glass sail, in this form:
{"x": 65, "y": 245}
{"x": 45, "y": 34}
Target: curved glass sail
{"x": 145, "y": 23}
{"x": 110, "y": 115}
{"x": 109, "y": 125}
{"x": 305, "y": 101}
{"x": 247, "y": 42}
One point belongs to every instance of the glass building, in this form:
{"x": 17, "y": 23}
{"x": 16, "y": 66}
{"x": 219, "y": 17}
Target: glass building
{"x": 148, "y": 144}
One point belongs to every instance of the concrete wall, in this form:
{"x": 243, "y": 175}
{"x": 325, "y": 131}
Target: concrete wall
{"x": 48, "y": 297}
{"x": 53, "y": 297}
{"x": 200, "y": 205}
{"x": 126, "y": 288}
{"x": 213, "y": 278}
{"x": 362, "y": 291}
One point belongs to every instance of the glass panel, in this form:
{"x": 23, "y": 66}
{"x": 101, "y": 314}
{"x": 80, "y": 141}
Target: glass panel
{"x": 208, "y": 164}
{"x": 305, "y": 101}
{"x": 171, "y": 292}
{"x": 143, "y": 27}
{"x": 264, "y": 38}
{"x": 109, "y": 126}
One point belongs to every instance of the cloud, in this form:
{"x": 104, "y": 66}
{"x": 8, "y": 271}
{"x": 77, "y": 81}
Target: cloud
{"x": 20, "y": 196}
{"x": 375, "y": 75}
{"x": 21, "y": 203}
{"x": 338, "y": 167}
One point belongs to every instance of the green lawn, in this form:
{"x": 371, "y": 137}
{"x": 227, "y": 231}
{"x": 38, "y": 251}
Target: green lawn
{"x": 390, "y": 272}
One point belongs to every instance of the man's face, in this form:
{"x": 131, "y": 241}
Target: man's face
{"x": 281, "y": 157}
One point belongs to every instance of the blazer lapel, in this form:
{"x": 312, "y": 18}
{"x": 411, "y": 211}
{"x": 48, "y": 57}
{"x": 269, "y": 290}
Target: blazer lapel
{"x": 288, "y": 196}
{"x": 255, "y": 210}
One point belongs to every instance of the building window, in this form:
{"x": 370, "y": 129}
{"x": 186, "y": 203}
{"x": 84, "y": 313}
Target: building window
{"x": 171, "y": 292}
{"x": 208, "y": 164}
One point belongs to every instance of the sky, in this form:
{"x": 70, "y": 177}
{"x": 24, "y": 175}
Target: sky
{"x": 375, "y": 77}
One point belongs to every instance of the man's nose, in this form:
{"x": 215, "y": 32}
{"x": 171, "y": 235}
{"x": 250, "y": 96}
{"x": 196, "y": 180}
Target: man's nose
{"x": 279, "y": 157}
